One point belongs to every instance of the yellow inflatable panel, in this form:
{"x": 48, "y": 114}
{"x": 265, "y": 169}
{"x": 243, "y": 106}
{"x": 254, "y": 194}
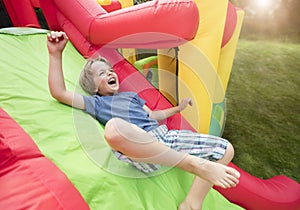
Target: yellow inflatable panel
{"x": 204, "y": 66}
{"x": 167, "y": 73}
{"x": 228, "y": 52}
{"x": 211, "y": 28}
{"x": 126, "y": 3}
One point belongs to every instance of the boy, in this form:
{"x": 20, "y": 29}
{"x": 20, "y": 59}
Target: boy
{"x": 132, "y": 129}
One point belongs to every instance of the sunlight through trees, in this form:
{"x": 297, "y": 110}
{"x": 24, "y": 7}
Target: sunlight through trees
{"x": 271, "y": 18}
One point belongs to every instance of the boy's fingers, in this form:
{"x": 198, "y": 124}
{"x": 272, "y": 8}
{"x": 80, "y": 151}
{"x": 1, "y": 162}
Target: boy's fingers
{"x": 61, "y": 35}
{"x": 56, "y": 36}
{"x": 65, "y": 36}
{"x": 48, "y": 36}
{"x": 53, "y": 34}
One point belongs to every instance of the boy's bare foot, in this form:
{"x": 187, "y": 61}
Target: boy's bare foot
{"x": 217, "y": 174}
{"x": 213, "y": 172}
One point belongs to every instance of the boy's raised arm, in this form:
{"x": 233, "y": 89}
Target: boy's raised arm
{"x": 56, "y": 42}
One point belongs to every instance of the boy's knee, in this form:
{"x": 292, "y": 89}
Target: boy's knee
{"x": 111, "y": 133}
{"x": 230, "y": 147}
{"x": 118, "y": 132}
{"x": 230, "y": 150}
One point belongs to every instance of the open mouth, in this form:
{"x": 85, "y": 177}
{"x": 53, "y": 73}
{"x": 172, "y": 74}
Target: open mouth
{"x": 112, "y": 81}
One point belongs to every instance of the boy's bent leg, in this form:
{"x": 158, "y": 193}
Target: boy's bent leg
{"x": 141, "y": 146}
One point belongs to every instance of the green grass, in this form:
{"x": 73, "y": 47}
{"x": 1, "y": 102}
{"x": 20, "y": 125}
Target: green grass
{"x": 263, "y": 108}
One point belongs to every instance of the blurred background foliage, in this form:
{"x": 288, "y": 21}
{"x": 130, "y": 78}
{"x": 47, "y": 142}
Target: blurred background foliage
{"x": 270, "y": 19}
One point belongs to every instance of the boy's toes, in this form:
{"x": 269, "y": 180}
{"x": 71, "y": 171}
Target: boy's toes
{"x": 232, "y": 182}
{"x": 233, "y": 172}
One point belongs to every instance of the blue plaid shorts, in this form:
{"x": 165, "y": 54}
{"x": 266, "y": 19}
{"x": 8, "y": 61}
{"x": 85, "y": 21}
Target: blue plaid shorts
{"x": 201, "y": 145}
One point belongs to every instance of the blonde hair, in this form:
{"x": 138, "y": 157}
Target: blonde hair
{"x": 86, "y": 79}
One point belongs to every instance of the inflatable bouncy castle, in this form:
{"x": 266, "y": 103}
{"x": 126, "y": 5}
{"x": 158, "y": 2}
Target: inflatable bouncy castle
{"x": 55, "y": 157}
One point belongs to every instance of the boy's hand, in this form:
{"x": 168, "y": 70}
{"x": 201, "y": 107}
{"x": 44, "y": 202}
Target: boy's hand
{"x": 56, "y": 41}
{"x": 183, "y": 104}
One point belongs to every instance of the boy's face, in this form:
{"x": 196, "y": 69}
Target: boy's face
{"x": 105, "y": 79}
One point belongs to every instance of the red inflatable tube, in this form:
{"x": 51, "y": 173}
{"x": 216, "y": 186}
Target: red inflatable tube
{"x": 21, "y": 13}
{"x": 50, "y": 13}
{"x": 154, "y": 24}
{"x": 252, "y": 193}
{"x": 230, "y": 24}
{"x": 28, "y": 179}
{"x": 36, "y": 3}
